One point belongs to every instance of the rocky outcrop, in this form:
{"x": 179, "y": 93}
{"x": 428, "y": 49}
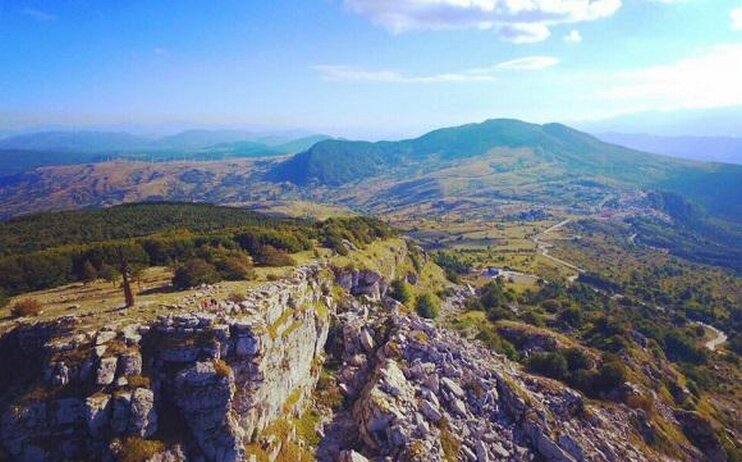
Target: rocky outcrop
{"x": 224, "y": 375}
{"x": 424, "y": 393}
{"x": 211, "y": 382}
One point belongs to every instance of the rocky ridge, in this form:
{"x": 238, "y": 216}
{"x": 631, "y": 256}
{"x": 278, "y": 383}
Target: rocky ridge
{"x": 207, "y": 384}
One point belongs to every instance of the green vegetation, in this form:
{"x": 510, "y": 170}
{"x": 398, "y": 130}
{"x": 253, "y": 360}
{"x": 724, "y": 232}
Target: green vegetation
{"x": 195, "y": 272}
{"x": 135, "y": 449}
{"x": 53, "y": 249}
{"x": 428, "y": 306}
{"x": 401, "y": 291}
{"x": 566, "y": 166}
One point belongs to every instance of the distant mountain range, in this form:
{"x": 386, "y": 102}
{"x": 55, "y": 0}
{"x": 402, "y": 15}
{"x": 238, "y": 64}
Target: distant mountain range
{"x": 25, "y": 151}
{"x": 480, "y": 165}
{"x": 702, "y": 148}
{"x": 724, "y": 122}
{"x": 511, "y": 158}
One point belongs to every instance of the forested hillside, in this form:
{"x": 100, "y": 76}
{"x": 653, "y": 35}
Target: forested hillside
{"x": 51, "y": 249}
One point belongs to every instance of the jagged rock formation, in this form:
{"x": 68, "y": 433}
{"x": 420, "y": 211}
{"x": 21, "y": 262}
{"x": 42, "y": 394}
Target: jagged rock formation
{"x": 208, "y": 384}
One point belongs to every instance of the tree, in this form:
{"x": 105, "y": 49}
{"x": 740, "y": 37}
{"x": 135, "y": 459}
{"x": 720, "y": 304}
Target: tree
{"x": 194, "y": 272}
{"x": 271, "y": 256}
{"x": 235, "y": 268}
{"x": 109, "y": 273}
{"x": 4, "y": 299}
{"x": 428, "y": 306}
{"x": 88, "y": 272}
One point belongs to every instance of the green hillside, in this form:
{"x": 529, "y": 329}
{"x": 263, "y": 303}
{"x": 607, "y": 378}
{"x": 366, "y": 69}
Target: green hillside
{"x": 559, "y": 154}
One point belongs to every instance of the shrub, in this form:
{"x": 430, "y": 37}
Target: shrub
{"x": 195, "y": 272}
{"x": 235, "y": 297}
{"x": 552, "y": 364}
{"x": 4, "y": 299}
{"x": 221, "y": 368}
{"x": 271, "y": 256}
{"x": 428, "y": 306}
{"x": 135, "y": 449}
{"x": 401, "y": 291}
{"x": 577, "y": 359}
{"x": 235, "y": 268}
{"x": 610, "y": 375}
{"x": 27, "y": 307}
{"x": 571, "y": 317}
{"x": 489, "y": 337}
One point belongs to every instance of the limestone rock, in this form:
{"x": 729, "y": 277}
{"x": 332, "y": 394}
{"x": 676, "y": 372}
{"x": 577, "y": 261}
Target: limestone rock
{"x": 97, "y": 413}
{"x": 106, "y": 371}
{"x": 142, "y": 414}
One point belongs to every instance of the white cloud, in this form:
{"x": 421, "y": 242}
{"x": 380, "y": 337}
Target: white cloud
{"x": 39, "y": 15}
{"x": 335, "y": 73}
{"x": 573, "y": 36}
{"x": 736, "y": 16}
{"x": 707, "y": 79}
{"x": 517, "y": 21}
{"x": 530, "y": 63}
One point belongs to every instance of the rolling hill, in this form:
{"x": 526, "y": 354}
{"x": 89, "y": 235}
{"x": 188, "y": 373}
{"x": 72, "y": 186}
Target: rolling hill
{"x": 507, "y": 156}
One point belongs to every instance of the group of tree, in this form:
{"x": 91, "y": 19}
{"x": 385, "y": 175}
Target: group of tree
{"x": 98, "y": 244}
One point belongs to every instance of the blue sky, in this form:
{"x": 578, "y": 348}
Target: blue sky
{"x": 362, "y": 67}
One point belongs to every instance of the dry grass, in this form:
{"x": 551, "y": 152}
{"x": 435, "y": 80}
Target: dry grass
{"x": 221, "y": 368}
{"x": 137, "y": 449}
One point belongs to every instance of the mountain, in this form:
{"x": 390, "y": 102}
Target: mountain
{"x": 520, "y": 157}
{"x": 726, "y": 121}
{"x": 26, "y": 151}
{"x": 75, "y": 141}
{"x": 703, "y": 148}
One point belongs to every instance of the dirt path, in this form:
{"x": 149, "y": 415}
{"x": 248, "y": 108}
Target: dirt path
{"x": 543, "y": 248}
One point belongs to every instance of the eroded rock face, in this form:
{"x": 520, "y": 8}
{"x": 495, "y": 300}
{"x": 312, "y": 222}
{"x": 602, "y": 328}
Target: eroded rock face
{"x": 423, "y": 393}
{"x": 224, "y": 377}
{"x": 414, "y": 391}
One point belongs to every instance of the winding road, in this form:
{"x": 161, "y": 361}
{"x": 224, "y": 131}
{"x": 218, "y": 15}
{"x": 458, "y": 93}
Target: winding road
{"x": 543, "y": 248}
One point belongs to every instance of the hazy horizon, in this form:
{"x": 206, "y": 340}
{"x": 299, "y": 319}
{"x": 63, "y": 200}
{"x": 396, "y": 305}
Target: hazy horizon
{"x": 344, "y": 67}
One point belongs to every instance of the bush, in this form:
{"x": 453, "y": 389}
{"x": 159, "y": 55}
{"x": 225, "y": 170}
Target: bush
{"x": 235, "y": 268}
{"x": 489, "y": 337}
{"x": 135, "y": 449}
{"x": 27, "y": 307}
{"x": 428, "y": 306}
{"x": 611, "y": 374}
{"x": 401, "y": 291}
{"x": 552, "y": 364}
{"x": 577, "y": 359}
{"x": 271, "y": 256}
{"x": 221, "y": 368}
{"x": 4, "y": 299}
{"x": 571, "y": 317}
{"x": 195, "y": 272}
